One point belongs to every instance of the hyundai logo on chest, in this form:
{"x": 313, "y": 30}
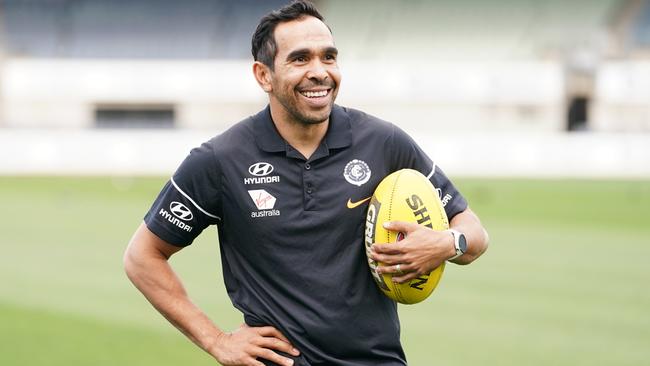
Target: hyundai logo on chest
{"x": 261, "y": 170}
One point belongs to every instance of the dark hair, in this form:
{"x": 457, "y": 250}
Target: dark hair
{"x": 263, "y": 43}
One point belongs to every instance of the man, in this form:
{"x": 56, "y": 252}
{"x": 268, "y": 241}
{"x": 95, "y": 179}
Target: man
{"x": 287, "y": 189}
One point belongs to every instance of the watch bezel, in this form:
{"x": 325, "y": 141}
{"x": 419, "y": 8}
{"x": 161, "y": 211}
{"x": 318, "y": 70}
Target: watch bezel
{"x": 462, "y": 242}
{"x": 457, "y": 235}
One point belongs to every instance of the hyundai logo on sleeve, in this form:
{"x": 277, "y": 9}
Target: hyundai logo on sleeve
{"x": 260, "y": 169}
{"x": 181, "y": 211}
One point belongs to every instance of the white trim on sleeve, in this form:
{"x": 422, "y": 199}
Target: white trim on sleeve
{"x": 191, "y": 200}
{"x": 433, "y": 171}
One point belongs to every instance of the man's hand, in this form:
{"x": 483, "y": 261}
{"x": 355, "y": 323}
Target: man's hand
{"x": 421, "y": 251}
{"x": 246, "y": 344}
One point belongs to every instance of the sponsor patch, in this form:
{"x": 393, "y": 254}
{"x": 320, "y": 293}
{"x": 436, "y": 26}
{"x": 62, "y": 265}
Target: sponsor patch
{"x": 262, "y": 180}
{"x": 260, "y": 169}
{"x": 356, "y": 204}
{"x": 260, "y": 172}
{"x": 265, "y": 213}
{"x": 444, "y": 200}
{"x": 174, "y": 220}
{"x": 265, "y": 202}
{"x": 181, "y": 211}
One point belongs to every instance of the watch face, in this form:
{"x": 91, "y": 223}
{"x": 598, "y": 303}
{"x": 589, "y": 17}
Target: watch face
{"x": 462, "y": 243}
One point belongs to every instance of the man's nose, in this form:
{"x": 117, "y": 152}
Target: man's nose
{"x": 317, "y": 71}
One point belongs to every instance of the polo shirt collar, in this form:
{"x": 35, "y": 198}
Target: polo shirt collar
{"x": 266, "y": 135}
{"x": 339, "y": 132}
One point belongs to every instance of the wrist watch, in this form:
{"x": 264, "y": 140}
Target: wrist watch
{"x": 460, "y": 243}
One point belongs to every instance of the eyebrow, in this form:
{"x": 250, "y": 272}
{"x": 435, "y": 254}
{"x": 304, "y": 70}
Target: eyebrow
{"x": 305, "y": 51}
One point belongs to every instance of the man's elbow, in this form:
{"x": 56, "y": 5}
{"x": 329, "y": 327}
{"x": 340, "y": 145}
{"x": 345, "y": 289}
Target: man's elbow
{"x": 129, "y": 261}
{"x": 136, "y": 258}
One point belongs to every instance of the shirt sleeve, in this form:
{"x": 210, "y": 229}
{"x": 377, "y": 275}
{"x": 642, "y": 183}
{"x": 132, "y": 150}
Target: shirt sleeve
{"x": 407, "y": 154}
{"x": 190, "y": 201}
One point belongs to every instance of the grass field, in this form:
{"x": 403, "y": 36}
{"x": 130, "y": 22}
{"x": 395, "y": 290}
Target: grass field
{"x": 566, "y": 280}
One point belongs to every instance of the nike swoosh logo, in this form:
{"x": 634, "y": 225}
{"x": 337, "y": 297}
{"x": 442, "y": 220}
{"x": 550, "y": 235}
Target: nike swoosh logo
{"x": 352, "y": 205}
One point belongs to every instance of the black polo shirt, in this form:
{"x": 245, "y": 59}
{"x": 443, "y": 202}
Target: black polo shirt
{"x": 291, "y": 229}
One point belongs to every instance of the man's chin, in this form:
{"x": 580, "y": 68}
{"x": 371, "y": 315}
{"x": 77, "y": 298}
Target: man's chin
{"x": 316, "y": 118}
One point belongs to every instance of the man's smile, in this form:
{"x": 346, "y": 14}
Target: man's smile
{"x": 315, "y": 94}
{"x": 317, "y": 98}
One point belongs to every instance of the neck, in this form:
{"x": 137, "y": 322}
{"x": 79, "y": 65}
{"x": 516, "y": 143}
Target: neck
{"x": 301, "y": 136}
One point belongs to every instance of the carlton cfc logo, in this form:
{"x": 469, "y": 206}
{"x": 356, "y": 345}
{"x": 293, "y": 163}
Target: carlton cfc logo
{"x": 181, "y": 211}
{"x": 357, "y": 172}
{"x": 260, "y": 169}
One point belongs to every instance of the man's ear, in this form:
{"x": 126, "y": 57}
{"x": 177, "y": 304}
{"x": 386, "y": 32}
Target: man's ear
{"x": 263, "y": 76}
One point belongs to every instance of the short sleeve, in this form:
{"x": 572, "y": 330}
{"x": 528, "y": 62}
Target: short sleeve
{"x": 407, "y": 154}
{"x": 190, "y": 201}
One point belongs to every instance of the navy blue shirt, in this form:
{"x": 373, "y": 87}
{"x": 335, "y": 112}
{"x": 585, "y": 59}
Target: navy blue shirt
{"x": 291, "y": 229}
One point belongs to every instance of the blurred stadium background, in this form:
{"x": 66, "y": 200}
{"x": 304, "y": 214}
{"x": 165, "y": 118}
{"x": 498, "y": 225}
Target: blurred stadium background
{"x": 541, "y": 109}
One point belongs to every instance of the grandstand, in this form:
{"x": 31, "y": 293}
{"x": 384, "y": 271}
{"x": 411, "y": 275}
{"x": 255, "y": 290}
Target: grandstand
{"x": 501, "y": 70}
{"x": 164, "y": 29}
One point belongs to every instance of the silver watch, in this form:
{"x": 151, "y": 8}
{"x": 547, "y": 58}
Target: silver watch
{"x": 460, "y": 243}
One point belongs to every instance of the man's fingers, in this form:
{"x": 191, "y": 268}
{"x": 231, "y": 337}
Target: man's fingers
{"x": 270, "y": 331}
{"x": 386, "y": 259}
{"x": 282, "y": 344}
{"x": 276, "y": 344}
{"x": 388, "y": 254}
{"x": 404, "y": 278}
{"x": 398, "y": 269}
{"x": 391, "y": 248}
{"x": 402, "y": 226}
{"x": 267, "y": 354}
{"x": 249, "y": 345}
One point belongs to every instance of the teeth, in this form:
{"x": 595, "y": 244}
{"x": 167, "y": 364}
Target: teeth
{"x": 317, "y": 94}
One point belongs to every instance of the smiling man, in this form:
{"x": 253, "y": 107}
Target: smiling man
{"x": 288, "y": 190}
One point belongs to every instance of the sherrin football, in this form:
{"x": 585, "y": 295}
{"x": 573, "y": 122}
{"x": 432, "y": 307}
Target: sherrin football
{"x": 405, "y": 195}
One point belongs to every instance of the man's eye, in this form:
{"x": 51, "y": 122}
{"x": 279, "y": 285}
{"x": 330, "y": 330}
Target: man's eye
{"x": 300, "y": 59}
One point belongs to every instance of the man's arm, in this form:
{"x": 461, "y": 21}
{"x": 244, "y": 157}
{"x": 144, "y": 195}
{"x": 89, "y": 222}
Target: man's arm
{"x": 424, "y": 249}
{"x": 146, "y": 264}
{"x": 468, "y": 223}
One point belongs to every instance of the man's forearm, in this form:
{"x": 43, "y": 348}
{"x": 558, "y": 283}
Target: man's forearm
{"x": 154, "y": 277}
{"x": 477, "y": 237}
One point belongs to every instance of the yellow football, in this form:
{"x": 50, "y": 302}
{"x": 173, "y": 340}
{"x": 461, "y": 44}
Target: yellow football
{"x": 405, "y": 195}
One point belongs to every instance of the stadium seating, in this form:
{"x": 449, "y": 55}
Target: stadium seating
{"x": 483, "y": 68}
{"x": 167, "y": 29}
{"x": 466, "y": 65}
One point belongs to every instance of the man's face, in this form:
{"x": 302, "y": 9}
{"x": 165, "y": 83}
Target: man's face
{"x": 306, "y": 76}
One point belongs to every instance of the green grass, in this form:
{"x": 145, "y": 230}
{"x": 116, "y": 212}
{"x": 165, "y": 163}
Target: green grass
{"x": 42, "y": 337}
{"x": 565, "y": 281}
